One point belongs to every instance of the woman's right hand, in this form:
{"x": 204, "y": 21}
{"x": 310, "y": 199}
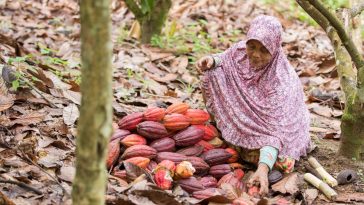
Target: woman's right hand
{"x": 205, "y": 63}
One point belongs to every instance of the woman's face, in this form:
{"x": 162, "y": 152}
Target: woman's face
{"x": 258, "y": 55}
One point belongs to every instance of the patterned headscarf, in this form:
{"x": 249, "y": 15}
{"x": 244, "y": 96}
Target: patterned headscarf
{"x": 254, "y": 108}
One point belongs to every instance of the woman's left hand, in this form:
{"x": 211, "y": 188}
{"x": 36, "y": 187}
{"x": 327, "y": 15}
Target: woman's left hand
{"x": 260, "y": 177}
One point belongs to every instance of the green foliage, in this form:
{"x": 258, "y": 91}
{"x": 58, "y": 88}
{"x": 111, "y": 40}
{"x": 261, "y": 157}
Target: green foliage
{"x": 147, "y": 6}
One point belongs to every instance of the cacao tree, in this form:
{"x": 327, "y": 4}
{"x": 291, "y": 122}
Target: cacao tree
{"x": 350, "y": 66}
{"x": 151, "y": 15}
{"x": 94, "y": 126}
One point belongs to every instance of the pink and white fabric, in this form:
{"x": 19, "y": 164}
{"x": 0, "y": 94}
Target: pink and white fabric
{"x": 256, "y": 108}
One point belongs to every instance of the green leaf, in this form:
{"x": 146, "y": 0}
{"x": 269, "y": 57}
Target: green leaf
{"x": 147, "y": 6}
{"x": 15, "y": 84}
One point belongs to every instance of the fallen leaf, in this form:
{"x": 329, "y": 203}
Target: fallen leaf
{"x": 321, "y": 110}
{"x": 70, "y": 114}
{"x": 287, "y": 185}
{"x": 310, "y": 195}
{"x": 6, "y": 102}
{"x": 75, "y": 97}
{"x": 67, "y": 173}
{"x": 350, "y": 197}
{"x": 28, "y": 119}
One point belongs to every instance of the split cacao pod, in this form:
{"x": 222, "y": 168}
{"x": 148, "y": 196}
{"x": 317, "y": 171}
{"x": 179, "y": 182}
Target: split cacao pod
{"x": 208, "y": 182}
{"x": 133, "y": 139}
{"x": 141, "y": 162}
{"x": 152, "y": 130}
{"x": 163, "y": 145}
{"x": 190, "y": 185}
{"x": 206, "y": 145}
{"x": 180, "y": 108}
{"x": 216, "y": 156}
{"x": 176, "y": 121}
{"x": 199, "y": 164}
{"x": 195, "y": 150}
{"x": 154, "y": 114}
{"x": 167, "y": 164}
{"x": 197, "y": 116}
{"x": 139, "y": 151}
{"x": 207, "y": 193}
{"x": 113, "y": 153}
{"x": 130, "y": 121}
{"x": 163, "y": 179}
{"x": 174, "y": 157}
{"x": 220, "y": 170}
{"x": 188, "y": 136}
{"x": 119, "y": 134}
{"x": 184, "y": 170}
{"x": 234, "y": 153}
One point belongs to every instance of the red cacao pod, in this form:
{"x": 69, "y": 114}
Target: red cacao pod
{"x": 216, "y": 156}
{"x": 119, "y": 134}
{"x": 130, "y": 121}
{"x": 190, "y": 185}
{"x": 197, "y": 116}
{"x": 174, "y": 157}
{"x": 141, "y": 162}
{"x": 206, "y": 146}
{"x": 139, "y": 151}
{"x": 179, "y": 108}
{"x": 163, "y": 145}
{"x": 208, "y": 182}
{"x": 233, "y": 178}
{"x": 195, "y": 150}
{"x": 152, "y": 165}
{"x": 220, "y": 170}
{"x": 154, "y": 114}
{"x": 112, "y": 153}
{"x": 167, "y": 164}
{"x": 188, "y": 136}
{"x": 133, "y": 139}
{"x": 199, "y": 164}
{"x": 210, "y": 132}
{"x": 207, "y": 193}
{"x": 234, "y": 153}
{"x": 152, "y": 130}
{"x": 163, "y": 179}
{"x": 176, "y": 121}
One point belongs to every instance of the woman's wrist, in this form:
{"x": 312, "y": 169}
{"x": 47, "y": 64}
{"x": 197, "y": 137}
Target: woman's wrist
{"x": 263, "y": 167}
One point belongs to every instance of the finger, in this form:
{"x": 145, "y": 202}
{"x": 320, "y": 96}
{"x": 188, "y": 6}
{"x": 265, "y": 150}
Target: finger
{"x": 209, "y": 64}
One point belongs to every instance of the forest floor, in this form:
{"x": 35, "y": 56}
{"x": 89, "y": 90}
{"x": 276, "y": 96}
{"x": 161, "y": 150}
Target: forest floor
{"x": 39, "y": 105}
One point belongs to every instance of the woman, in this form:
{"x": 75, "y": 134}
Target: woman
{"x": 257, "y": 100}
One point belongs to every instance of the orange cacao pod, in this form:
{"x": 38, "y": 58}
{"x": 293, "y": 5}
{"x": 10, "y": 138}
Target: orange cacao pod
{"x": 163, "y": 179}
{"x": 188, "y": 136}
{"x": 190, "y": 185}
{"x": 195, "y": 150}
{"x": 216, "y": 156}
{"x": 207, "y": 193}
{"x": 133, "y": 139}
{"x": 152, "y": 130}
{"x": 199, "y": 164}
{"x": 208, "y": 182}
{"x": 112, "y": 153}
{"x": 179, "y": 108}
{"x": 206, "y": 145}
{"x": 220, "y": 170}
{"x": 139, "y": 151}
{"x": 184, "y": 170}
{"x": 163, "y": 145}
{"x": 176, "y": 121}
{"x": 141, "y": 162}
{"x": 234, "y": 153}
{"x": 197, "y": 116}
{"x": 130, "y": 121}
{"x": 154, "y": 114}
{"x": 119, "y": 134}
{"x": 174, "y": 157}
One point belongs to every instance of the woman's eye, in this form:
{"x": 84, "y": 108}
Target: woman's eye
{"x": 264, "y": 50}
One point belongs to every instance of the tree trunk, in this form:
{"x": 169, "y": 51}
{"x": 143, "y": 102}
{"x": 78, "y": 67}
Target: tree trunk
{"x": 94, "y": 127}
{"x": 356, "y": 27}
{"x": 152, "y": 24}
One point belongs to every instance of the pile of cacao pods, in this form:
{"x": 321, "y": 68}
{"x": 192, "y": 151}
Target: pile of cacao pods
{"x": 177, "y": 145}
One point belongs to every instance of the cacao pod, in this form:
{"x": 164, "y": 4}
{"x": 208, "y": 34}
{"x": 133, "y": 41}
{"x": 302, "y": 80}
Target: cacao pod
{"x": 131, "y": 121}
{"x": 163, "y": 179}
{"x": 180, "y": 108}
{"x": 188, "y": 136}
{"x": 141, "y": 162}
{"x": 152, "y": 130}
{"x": 206, "y": 146}
{"x": 119, "y": 134}
{"x": 163, "y": 145}
{"x": 197, "y": 116}
{"x": 210, "y": 131}
{"x": 133, "y": 139}
{"x": 216, "y": 142}
{"x": 207, "y": 193}
{"x": 195, "y": 150}
{"x": 234, "y": 153}
{"x": 176, "y": 121}
{"x": 167, "y": 164}
{"x": 199, "y": 164}
{"x": 233, "y": 178}
{"x": 184, "y": 170}
{"x": 190, "y": 185}
{"x": 120, "y": 174}
{"x": 112, "y": 153}
{"x": 154, "y": 114}
{"x": 220, "y": 170}
{"x": 152, "y": 165}
{"x": 139, "y": 151}
{"x": 208, "y": 182}
{"x": 174, "y": 157}
{"x": 253, "y": 191}
{"x": 216, "y": 156}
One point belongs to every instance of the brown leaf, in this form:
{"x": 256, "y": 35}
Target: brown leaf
{"x": 350, "y": 197}
{"x": 70, "y": 114}
{"x": 133, "y": 171}
{"x": 310, "y": 195}
{"x": 287, "y": 185}
{"x": 6, "y": 102}
{"x": 75, "y": 97}
{"x": 165, "y": 79}
{"x": 28, "y": 119}
{"x": 67, "y": 173}
{"x": 322, "y": 110}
